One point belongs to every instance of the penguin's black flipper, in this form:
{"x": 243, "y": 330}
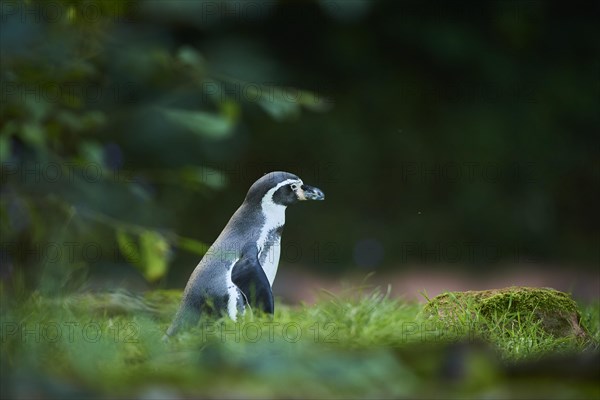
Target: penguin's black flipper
{"x": 250, "y": 278}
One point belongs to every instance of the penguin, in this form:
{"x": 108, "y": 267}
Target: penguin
{"x": 238, "y": 270}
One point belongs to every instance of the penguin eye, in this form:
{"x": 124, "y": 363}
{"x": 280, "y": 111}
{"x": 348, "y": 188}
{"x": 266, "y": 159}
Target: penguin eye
{"x": 294, "y": 186}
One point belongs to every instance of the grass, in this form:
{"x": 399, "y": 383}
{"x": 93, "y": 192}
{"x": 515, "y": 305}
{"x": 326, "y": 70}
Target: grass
{"x": 359, "y": 344}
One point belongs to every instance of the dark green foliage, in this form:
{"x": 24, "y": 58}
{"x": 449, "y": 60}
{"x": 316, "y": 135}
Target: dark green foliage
{"x": 447, "y": 138}
{"x": 95, "y": 123}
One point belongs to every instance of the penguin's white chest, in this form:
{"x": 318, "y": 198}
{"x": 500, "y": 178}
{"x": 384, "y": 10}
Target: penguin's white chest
{"x": 269, "y": 240}
{"x": 269, "y": 258}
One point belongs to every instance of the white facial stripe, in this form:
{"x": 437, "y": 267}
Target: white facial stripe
{"x": 269, "y": 194}
{"x": 267, "y": 201}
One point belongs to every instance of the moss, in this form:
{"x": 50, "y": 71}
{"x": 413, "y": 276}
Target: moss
{"x": 556, "y": 312}
{"x": 526, "y": 298}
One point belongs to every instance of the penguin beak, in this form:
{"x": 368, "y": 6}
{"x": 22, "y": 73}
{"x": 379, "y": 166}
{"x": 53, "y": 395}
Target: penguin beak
{"x": 307, "y": 192}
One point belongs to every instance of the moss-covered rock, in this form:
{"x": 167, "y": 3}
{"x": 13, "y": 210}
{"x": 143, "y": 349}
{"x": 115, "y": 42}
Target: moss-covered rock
{"x": 555, "y": 312}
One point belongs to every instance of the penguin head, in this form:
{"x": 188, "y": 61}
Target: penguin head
{"x": 283, "y": 189}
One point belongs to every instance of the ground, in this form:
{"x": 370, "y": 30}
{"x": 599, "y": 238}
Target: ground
{"x": 362, "y": 343}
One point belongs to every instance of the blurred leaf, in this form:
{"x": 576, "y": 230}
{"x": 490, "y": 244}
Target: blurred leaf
{"x": 92, "y": 152}
{"x": 314, "y": 101}
{"x": 201, "y": 123}
{"x": 190, "y": 57}
{"x": 33, "y": 134}
{"x": 155, "y": 250}
{"x": 203, "y": 176}
{"x": 280, "y": 109}
{"x": 286, "y": 103}
{"x": 71, "y": 14}
{"x": 230, "y": 109}
{"x": 150, "y": 257}
{"x": 193, "y": 245}
{"x": 128, "y": 248}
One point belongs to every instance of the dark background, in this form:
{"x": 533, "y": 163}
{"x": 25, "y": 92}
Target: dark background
{"x": 450, "y": 138}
